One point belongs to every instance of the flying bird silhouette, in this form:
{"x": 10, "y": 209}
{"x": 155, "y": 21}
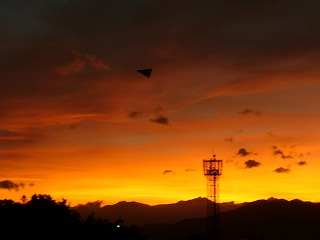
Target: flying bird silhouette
{"x": 146, "y": 72}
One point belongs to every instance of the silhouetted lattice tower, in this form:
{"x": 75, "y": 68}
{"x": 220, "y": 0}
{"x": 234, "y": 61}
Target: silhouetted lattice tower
{"x": 212, "y": 169}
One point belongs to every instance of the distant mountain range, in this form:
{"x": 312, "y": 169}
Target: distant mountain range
{"x": 134, "y": 213}
{"x": 272, "y": 219}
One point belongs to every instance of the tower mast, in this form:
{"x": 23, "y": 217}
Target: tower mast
{"x": 212, "y": 169}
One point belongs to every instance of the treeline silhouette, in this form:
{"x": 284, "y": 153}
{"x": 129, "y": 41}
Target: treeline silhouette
{"x": 44, "y": 218}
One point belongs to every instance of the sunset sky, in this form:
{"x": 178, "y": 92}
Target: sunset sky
{"x": 239, "y": 79}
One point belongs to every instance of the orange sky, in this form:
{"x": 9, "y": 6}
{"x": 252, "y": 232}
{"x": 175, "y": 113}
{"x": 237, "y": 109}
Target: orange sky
{"x": 77, "y": 121}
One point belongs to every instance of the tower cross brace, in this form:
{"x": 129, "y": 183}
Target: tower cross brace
{"x": 212, "y": 169}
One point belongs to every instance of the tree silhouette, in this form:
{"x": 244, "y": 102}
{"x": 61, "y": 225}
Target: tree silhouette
{"x": 44, "y": 218}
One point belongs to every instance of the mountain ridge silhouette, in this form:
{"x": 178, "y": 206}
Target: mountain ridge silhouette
{"x": 272, "y": 219}
{"x": 135, "y": 213}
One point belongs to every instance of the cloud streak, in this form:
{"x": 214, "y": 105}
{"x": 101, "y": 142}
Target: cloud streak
{"x": 230, "y": 139}
{"x": 12, "y": 139}
{"x": 80, "y": 63}
{"x": 250, "y": 111}
{"x": 160, "y": 120}
{"x": 168, "y": 171}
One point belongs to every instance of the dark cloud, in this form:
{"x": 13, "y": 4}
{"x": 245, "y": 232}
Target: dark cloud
{"x": 168, "y": 171}
{"x": 243, "y": 152}
{"x": 161, "y": 120}
{"x": 134, "y": 114}
{"x": 6, "y": 133}
{"x": 251, "y": 163}
{"x": 190, "y": 170}
{"x": 302, "y": 163}
{"x": 282, "y": 170}
{"x": 230, "y": 139}
{"x": 277, "y": 151}
{"x": 250, "y": 111}
{"x": 286, "y": 156}
{"x": 271, "y": 134}
{"x": 74, "y": 126}
{"x": 159, "y": 117}
{"x": 92, "y": 205}
{"x": 6, "y": 184}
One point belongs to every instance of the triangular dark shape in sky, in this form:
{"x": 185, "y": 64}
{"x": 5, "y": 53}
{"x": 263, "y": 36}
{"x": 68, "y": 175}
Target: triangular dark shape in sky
{"x": 145, "y": 72}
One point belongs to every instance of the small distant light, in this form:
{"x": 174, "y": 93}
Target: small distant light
{"x": 118, "y": 226}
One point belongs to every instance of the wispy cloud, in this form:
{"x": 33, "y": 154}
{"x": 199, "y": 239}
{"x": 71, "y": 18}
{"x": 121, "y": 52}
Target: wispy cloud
{"x": 230, "y": 139}
{"x": 81, "y": 62}
{"x": 168, "y": 171}
{"x": 73, "y": 67}
{"x": 270, "y": 134}
{"x": 10, "y": 139}
{"x": 250, "y": 111}
{"x": 282, "y": 170}
{"x": 95, "y": 62}
{"x": 190, "y": 170}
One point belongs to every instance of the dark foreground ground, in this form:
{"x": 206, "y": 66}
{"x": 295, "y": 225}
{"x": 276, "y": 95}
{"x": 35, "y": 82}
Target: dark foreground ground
{"x": 260, "y": 220}
{"x": 43, "y": 218}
